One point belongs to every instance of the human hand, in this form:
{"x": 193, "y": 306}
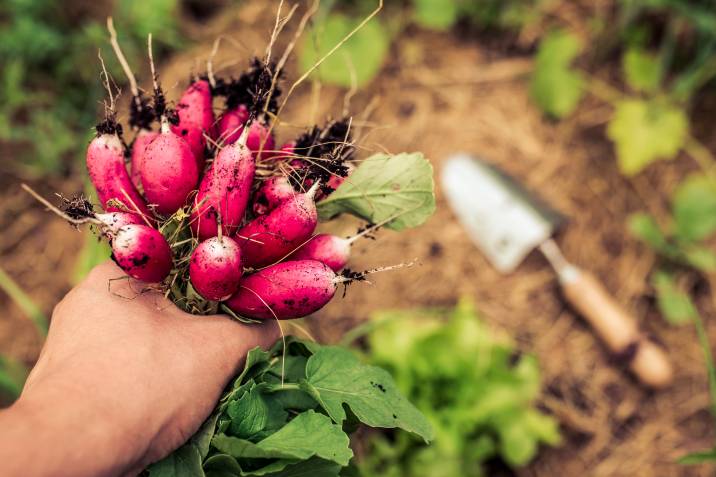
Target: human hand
{"x": 120, "y": 382}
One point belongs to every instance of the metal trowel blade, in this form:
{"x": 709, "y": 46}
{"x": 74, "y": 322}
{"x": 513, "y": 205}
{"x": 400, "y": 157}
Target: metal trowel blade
{"x": 503, "y": 220}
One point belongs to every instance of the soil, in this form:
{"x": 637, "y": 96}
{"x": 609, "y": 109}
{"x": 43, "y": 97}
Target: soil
{"x": 441, "y": 94}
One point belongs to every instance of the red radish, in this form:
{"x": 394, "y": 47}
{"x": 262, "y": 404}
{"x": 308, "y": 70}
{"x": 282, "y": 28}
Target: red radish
{"x": 141, "y": 141}
{"x": 142, "y": 252}
{"x": 141, "y": 114}
{"x": 329, "y": 249}
{"x": 215, "y": 268}
{"x": 231, "y": 124}
{"x": 108, "y": 173}
{"x": 286, "y": 290}
{"x": 275, "y": 235}
{"x": 196, "y": 116}
{"x": 272, "y": 192}
{"x": 336, "y": 180}
{"x": 332, "y": 250}
{"x": 287, "y": 150}
{"x": 260, "y": 140}
{"x": 224, "y": 192}
{"x": 114, "y": 221}
{"x": 169, "y": 171}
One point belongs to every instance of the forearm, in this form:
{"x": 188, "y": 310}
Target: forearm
{"x": 52, "y": 434}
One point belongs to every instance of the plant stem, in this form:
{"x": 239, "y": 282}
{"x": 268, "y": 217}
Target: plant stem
{"x": 283, "y": 387}
{"x": 708, "y": 358}
{"x": 23, "y": 301}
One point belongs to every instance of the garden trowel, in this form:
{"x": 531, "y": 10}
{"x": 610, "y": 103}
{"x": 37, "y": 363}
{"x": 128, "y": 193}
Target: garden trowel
{"x": 506, "y": 224}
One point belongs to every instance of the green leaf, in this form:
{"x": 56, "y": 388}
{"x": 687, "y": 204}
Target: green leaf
{"x": 644, "y": 227}
{"x": 313, "y": 467}
{"x": 674, "y": 304}
{"x": 221, "y": 465}
{"x": 386, "y": 186}
{"x": 359, "y": 58}
{"x": 202, "y": 439}
{"x": 646, "y": 131}
{"x": 435, "y": 14}
{"x": 696, "y": 458}
{"x": 701, "y": 258}
{"x": 516, "y": 446}
{"x": 249, "y": 414}
{"x": 311, "y": 434}
{"x": 308, "y": 434}
{"x": 243, "y": 449}
{"x": 335, "y": 377}
{"x": 184, "y": 462}
{"x": 642, "y": 70}
{"x": 555, "y": 87}
{"x": 473, "y": 388}
{"x": 694, "y": 208}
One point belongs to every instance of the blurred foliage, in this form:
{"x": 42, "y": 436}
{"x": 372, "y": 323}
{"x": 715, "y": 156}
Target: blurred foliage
{"x": 644, "y": 131}
{"x": 683, "y": 246}
{"x": 12, "y": 379}
{"x": 477, "y": 392}
{"x": 49, "y": 82}
{"x": 360, "y": 58}
{"x": 555, "y": 87}
{"x": 667, "y": 57}
{"x": 692, "y": 222}
{"x": 357, "y": 61}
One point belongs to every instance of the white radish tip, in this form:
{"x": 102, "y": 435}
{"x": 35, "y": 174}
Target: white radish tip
{"x": 311, "y": 193}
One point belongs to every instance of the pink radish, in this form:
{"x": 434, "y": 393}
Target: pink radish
{"x": 169, "y": 171}
{"x": 113, "y": 221}
{"x": 231, "y": 124}
{"x": 287, "y": 150}
{"x": 142, "y": 252}
{"x": 215, "y": 268}
{"x": 329, "y": 249}
{"x": 336, "y": 180}
{"x": 272, "y": 192}
{"x": 273, "y": 236}
{"x": 108, "y": 173}
{"x": 332, "y": 250}
{"x": 141, "y": 141}
{"x": 224, "y": 192}
{"x": 141, "y": 114}
{"x": 286, "y": 290}
{"x": 196, "y": 116}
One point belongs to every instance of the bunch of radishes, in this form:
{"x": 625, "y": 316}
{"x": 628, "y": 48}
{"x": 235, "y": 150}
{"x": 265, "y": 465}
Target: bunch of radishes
{"x": 208, "y": 206}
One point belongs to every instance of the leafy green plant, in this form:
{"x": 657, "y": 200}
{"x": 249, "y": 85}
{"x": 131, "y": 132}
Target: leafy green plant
{"x": 681, "y": 245}
{"x": 385, "y": 186}
{"x": 475, "y": 390}
{"x": 556, "y": 87}
{"x": 289, "y": 414}
{"x": 359, "y": 59}
{"x": 692, "y": 221}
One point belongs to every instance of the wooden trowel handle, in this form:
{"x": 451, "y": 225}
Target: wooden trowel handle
{"x": 616, "y": 327}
